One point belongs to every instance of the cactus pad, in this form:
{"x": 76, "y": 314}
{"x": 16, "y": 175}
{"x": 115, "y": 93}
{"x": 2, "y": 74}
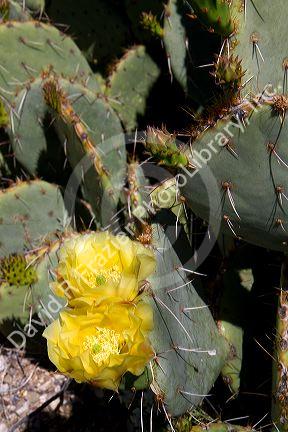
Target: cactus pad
{"x": 30, "y": 214}
{"x": 261, "y": 44}
{"x": 127, "y": 93}
{"x": 189, "y": 351}
{"x": 28, "y": 48}
{"x": 235, "y": 166}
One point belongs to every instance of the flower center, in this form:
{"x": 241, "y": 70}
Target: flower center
{"x": 101, "y": 277}
{"x": 102, "y": 345}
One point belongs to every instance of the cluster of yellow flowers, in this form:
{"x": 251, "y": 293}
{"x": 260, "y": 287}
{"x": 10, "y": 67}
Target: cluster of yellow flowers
{"x": 104, "y": 330}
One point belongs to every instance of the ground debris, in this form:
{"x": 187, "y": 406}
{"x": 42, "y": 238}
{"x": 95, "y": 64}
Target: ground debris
{"x": 25, "y": 387}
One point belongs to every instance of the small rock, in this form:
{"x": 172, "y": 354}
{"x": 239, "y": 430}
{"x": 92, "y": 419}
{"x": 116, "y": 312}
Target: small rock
{"x": 54, "y": 404}
{"x": 33, "y": 397}
{"x": 23, "y": 410}
{"x": 3, "y": 427}
{"x": 2, "y": 364}
{"x": 4, "y": 388}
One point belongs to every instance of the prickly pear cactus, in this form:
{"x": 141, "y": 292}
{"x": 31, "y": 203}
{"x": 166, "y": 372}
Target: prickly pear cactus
{"x": 234, "y": 164}
{"x": 33, "y": 217}
{"x": 31, "y": 48}
{"x": 25, "y": 289}
{"x": 31, "y": 213}
{"x": 237, "y": 283}
{"x": 186, "y": 59}
{"x": 88, "y": 129}
{"x": 280, "y": 364}
{"x": 180, "y": 336}
{"x": 260, "y": 44}
{"x": 127, "y": 94}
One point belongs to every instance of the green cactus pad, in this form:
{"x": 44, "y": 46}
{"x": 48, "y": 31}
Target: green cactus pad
{"x": 261, "y": 44}
{"x": 126, "y": 92}
{"x": 30, "y": 48}
{"x": 95, "y": 118}
{"x": 31, "y": 213}
{"x": 235, "y": 166}
{"x": 237, "y": 283}
{"x": 99, "y": 27}
{"x": 190, "y": 353}
{"x": 97, "y": 137}
{"x": 174, "y": 40}
{"x": 184, "y": 55}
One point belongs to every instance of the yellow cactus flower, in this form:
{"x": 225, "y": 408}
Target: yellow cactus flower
{"x": 99, "y": 267}
{"x": 99, "y": 345}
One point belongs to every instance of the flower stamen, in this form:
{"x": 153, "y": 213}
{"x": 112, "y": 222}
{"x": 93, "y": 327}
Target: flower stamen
{"x": 103, "y": 276}
{"x": 102, "y": 345}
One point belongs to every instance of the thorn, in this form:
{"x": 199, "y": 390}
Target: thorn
{"x": 193, "y": 394}
{"x": 273, "y": 358}
{"x": 77, "y": 69}
{"x": 168, "y": 418}
{"x": 231, "y": 150}
{"x": 6, "y": 91}
{"x": 186, "y": 309}
{"x": 257, "y": 46}
{"x": 141, "y": 412}
{"x": 12, "y": 121}
{"x": 181, "y": 286}
{"x": 230, "y": 225}
{"x": 236, "y": 419}
{"x": 32, "y": 44}
{"x": 227, "y": 187}
{"x": 279, "y": 222}
{"x": 54, "y": 46}
{"x": 211, "y": 353}
{"x": 17, "y": 139}
{"x": 205, "y": 66}
{"x": 256, "y": 424}
{"x": 151, "y": 419}
{"x": 246, "y": 82}
{"x": 29, "y": 69}
{"x": 65, "y": 147}
{"x": 271, "y": 148}
{"x": 190, "y": 271}
{"x": 172, "y": 313}
{"x": 177, "y": 221}
{"x": 169, "y": 67}
{"x": 22, "y": 102}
